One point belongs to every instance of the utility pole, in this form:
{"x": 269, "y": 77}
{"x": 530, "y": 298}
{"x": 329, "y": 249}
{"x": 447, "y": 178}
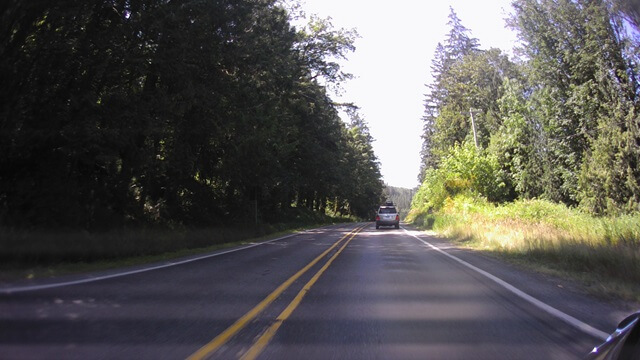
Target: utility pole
{"x": 473, "y": 125}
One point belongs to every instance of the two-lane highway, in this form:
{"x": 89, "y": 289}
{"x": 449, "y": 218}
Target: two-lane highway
{"x": 342, "y": 292}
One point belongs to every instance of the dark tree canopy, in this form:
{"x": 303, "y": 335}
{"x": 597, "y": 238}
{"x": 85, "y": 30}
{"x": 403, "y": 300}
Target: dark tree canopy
{"x": 172, "y": 112}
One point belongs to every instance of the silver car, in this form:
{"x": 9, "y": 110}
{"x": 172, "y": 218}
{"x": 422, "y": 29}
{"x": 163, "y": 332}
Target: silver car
{"x": 387, "y": 216}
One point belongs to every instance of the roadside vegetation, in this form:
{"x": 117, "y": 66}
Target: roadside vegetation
{"x": 136, "y": 127}
{"x": 537, "y": 156}
{"x": 601, "y": 252}
{"x": 28, "y": 254}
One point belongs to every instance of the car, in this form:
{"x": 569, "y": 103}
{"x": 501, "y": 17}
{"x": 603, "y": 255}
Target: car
{"x": 387, "y": 215}
{"x": 623, "y": 344}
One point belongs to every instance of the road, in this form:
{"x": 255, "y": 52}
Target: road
{"x": 340, "y": 292}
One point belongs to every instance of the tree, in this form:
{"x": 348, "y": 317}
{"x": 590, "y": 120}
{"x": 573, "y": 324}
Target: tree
{"x": 583, "y": 87}
{"x": 458, "y": 44}
{"x": 176, "y": 113}
{"x": 472, "y": 83}
{"x": 363, "y": 187}
{"x": 517, "y": 144}
{"x": 564, "y": 123}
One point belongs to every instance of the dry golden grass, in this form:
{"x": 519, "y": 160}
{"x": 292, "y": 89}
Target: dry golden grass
{"x": 601, "y": 252}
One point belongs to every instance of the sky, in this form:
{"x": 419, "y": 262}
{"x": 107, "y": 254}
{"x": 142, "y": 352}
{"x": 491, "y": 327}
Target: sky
{"x": 392, "y": 61}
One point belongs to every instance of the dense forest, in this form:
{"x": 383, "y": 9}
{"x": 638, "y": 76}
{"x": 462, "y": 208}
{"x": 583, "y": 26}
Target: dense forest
{"x": 179, "y": 113}
{"x": 559, "y": 120}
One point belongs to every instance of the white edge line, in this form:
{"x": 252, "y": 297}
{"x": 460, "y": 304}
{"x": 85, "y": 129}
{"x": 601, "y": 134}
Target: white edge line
{"x": 539, "y": 304}
{"x": 17, "y": 289}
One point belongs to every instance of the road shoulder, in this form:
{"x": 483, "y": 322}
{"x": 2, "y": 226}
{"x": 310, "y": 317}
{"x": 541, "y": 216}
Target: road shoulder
{"x": 563, "y": 294}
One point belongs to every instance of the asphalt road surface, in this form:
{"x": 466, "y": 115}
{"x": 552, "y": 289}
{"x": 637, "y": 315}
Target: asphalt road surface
{"x": 340, "y": 292}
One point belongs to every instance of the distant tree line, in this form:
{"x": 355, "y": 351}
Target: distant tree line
{"x": 124, "y": 112}
{"x": 401, "y": 198}
{"x": 560, "y": 120}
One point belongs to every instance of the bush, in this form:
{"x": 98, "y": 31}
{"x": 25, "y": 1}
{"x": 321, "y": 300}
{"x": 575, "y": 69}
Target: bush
{"x": 464, "y": 170}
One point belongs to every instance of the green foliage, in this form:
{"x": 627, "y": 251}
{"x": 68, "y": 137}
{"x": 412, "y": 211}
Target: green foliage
{"x": 584, "y": 95}
{"x": 465, "y": 79}
{"x": 458, "y": 44}
{"x": 320, "y": 46}
{"x": 362, "y": 185}
{"x": 465, "y": 170}
{"x": 561, "y": 130}
{"x": 130, "y": 113}
{"x": 515, "y": 144}
{"x": 561, "y": 121}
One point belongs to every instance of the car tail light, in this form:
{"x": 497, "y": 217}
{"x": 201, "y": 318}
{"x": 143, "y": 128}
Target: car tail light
{"x": 377, "y": 217}
{"x": 397, "y": 217}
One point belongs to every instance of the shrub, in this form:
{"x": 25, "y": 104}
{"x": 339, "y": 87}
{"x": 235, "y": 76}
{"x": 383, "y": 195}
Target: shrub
{"x": 464, "y": 170}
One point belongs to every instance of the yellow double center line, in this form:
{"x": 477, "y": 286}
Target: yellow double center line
{"x": 242, "y": 322}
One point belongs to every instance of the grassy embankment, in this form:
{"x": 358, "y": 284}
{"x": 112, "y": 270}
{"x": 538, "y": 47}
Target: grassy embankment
{"x": 37, "y": 253}
{"x": 601, "y": 252}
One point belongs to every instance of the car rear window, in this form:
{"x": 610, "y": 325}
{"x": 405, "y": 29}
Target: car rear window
{"x": 387, "y": 210}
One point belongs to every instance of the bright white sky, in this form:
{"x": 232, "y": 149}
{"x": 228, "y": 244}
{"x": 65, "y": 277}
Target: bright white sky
{"x": 392, "y": 61}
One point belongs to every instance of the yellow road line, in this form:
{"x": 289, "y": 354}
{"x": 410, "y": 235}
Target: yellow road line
{"x": 266, "y": 337}
{"x": 224, "y": 336}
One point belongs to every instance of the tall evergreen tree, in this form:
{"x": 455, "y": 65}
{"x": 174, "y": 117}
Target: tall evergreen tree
{"x": 458, "y": 44}
{"x": 466, "y": 79}
{"x": 584, "y": 96}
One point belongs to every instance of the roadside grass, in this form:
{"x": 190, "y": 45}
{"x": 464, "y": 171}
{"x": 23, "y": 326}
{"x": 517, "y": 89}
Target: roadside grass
{"x": 35, "y": 254}
{"x": 603, "y": 253}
